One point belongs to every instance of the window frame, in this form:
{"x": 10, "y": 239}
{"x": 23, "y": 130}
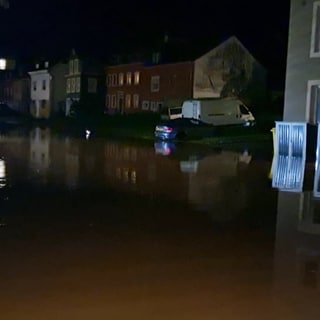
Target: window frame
{"x": 128, "y": 101}
{"x": 136, "y": 80}
{"x": 121, "y": 79}
{"x": 315, "y": 33}
{"x": 71, "y": 67}
{"x": 114, "y": 80}
{"x": 155, "y": 84}
{"x": 129, "y": 78}
{"x": 77, "y": 85}
{"x": 136, "y": 101}
{"x": 311, "y": 118}
{"x": 68, "y": 89}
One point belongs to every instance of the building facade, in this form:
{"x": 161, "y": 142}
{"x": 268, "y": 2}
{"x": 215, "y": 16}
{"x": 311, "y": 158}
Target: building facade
{"x": 302, "y": 90}
{"x": 227, "y": 70}
{"x": 141, "y": 88}
{"x": 19, "y": 94}
{"x": 230, "y": 70}
{"x": 47, "y": 90}
{"x": 85, "y": 86}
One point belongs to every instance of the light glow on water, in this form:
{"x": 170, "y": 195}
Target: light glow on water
{"x": 2, "y": 173}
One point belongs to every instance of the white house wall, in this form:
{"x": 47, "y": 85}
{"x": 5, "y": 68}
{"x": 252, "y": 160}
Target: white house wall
{"x": 214, "y": 70}
{"x": 301, "y": 67}
{"x": 39, "y": 93}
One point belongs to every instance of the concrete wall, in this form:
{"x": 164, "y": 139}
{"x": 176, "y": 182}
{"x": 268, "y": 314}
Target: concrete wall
{"x": 301, "y": 68}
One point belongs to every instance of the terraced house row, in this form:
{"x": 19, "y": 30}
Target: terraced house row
{"x": 84, "y": 84}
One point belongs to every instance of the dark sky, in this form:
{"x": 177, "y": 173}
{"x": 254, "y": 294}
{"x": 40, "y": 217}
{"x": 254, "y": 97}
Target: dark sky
{"x": 53, "y": 27}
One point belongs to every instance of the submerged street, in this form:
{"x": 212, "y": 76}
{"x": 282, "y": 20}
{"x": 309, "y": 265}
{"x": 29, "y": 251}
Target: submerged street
{"x": 102, "y": 229}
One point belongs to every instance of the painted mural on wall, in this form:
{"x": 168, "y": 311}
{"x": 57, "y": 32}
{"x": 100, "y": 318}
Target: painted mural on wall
{"x": 225, "y": 71}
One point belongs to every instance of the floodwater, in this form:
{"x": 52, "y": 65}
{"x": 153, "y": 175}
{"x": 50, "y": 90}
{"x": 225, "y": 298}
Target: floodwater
{"x": 99, "y": 229}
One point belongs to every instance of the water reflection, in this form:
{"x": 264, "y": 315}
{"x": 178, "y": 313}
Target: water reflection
{"x": 128, "y": 232}
{"x": 297, "y": 252}
{"x": 164, "y": 148}
{"x": 3, "y": 179}
{"x": 297, "y": 244}
{"x": 198, "y": 176}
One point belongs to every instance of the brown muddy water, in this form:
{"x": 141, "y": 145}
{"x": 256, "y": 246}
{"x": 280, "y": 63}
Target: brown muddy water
{"x": 99, "y": 229}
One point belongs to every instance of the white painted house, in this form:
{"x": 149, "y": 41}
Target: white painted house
{"x": 40, "y": 92}
{"x": 47, "y": 86}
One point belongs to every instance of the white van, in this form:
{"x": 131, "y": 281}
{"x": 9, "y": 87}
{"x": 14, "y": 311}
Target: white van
{"x": 171, "y": 113}
{"x": 218, "y": 112}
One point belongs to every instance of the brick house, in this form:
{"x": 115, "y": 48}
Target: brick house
{"x": 227, "y": 70}
{"x": 138, "y": 87}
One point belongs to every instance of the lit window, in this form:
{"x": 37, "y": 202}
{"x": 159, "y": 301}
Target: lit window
{"x": 129, "y": 78}
{"x": 155, "y": 84}
{"x": 73, "y": 84}
{"x": 76, "y": 66}
{"x": 78, "y": 84}
{"x": 120, "y": 79}
{"x": 71, "y": 67}
{"x": 137, "y": 77}
{"x": 128, "y": 100}
{"x": 136, "y": 101}
{"x": 68, "y": 85}
{"x": 315, "y": 35}
{"x": 3, "y": 64}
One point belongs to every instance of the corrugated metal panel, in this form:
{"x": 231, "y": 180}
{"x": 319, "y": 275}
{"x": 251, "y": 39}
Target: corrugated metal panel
{"x": 288, "y": 173}
{"x": 290, "y": 155}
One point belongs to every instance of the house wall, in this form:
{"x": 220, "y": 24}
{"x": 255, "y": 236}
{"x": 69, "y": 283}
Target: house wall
{"x": 301, "y": 68}
{"x": 40, "y": 97}
{"x": 229, "y": 70}
{"x": 173, "y": 85}
{"x": 58, "y": 87}
{"x": 116, "y": 92}
{"x": 85, "y": 86}
{"x": 21, "y": 95}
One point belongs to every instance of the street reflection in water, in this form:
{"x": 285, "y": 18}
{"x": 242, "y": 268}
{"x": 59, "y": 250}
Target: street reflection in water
{"x": 97, "y": 229}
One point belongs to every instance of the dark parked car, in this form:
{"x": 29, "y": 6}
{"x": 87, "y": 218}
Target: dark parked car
{"x": 183, "y": 127}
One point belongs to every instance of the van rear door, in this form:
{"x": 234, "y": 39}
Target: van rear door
{"x": 195, "y": 110}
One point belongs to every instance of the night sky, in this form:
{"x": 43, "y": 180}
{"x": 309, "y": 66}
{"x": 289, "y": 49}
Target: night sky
{"x": 51, "y": 28}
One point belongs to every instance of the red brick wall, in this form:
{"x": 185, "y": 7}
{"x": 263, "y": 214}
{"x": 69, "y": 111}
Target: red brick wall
{"x": 175, "y": 82}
